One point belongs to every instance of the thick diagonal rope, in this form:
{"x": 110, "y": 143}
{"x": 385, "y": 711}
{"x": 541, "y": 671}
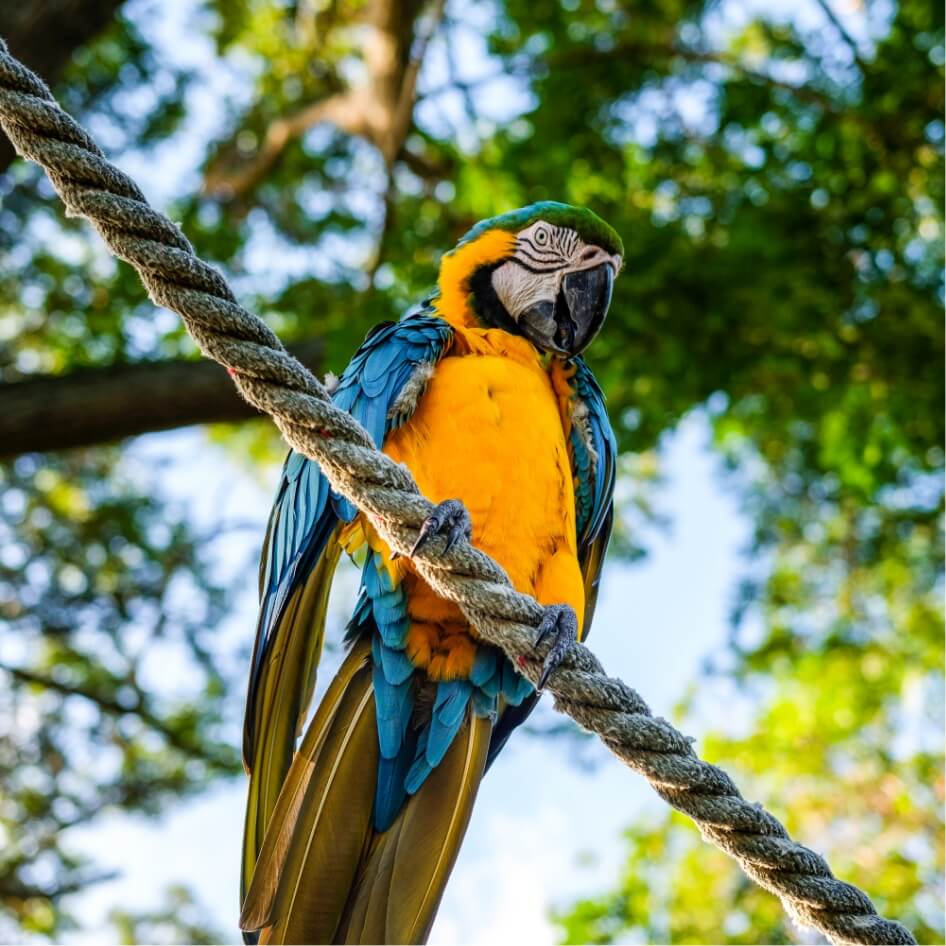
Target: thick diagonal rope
{"x": 273, "y": 381}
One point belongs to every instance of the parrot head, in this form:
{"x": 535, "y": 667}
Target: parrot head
{"x": 544, "y": 272}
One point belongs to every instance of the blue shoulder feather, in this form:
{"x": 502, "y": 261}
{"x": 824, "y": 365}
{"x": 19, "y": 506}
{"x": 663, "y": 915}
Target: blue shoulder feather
{"x": 389, "y": 356}
{"x": 594, "y": 450}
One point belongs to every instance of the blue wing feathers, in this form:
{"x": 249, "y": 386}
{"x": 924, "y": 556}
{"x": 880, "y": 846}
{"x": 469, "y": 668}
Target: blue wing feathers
{"x": 450, "y": 706}
{"x": 392, "y": 352}
{"x": 393, "y": 705}
{"x": 484, "y": 704}
{"x": 595, "y": 474}
{"x": 396, "y": 664}
{"x": 381, "y": 367}
{"x": 388, "y": 609}
{"x": 484, "y": 667}
{"x": 305, "y": 512}
{"x": 368, "y": 390}
{"x": 391, "y": 634}
{"x": 391, "y": 791}
{"x": 451, "y": 701}
{"x": 420, "y": 768}
{"x": 378, "y": 581}
{"x": 515, "y": 687}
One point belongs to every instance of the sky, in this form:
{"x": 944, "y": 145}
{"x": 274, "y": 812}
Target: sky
{"x": 545, "y": 829}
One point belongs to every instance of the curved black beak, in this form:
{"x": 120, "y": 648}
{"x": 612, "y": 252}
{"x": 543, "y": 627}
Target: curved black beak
{"x": 569, "y": 323}
{"x": 582, "y": 306}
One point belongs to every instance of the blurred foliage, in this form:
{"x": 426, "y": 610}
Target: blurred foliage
{"x": 101, "y": 579}
{"x": 777, "y": 177}
{"x": 101, "y": 589}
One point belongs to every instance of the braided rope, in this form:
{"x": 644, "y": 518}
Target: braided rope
{"x": 273, "y": 381}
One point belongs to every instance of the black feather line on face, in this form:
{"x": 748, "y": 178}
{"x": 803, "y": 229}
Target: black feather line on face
{"x": 486, "y": 304}
{"x": 553, "y": 261}
{"x": 538, "y": 247}
{"x": 539, "y": 254}
{"x": 535, "y": 270}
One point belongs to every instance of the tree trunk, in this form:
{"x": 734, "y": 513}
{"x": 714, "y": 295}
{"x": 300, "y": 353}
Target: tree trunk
{"x": 44, "y": 34}
{"x": 105, "y": 404}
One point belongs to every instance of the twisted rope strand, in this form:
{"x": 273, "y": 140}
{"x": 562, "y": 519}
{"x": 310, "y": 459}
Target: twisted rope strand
{"x": 274, "y": 382}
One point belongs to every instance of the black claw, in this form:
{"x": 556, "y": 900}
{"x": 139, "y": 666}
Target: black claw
{"x": 545, "y": 628}
{"x": 425, "y": 531}
{"x": 450, "y": 520}
{"x": 559, "y": 622}
{"x": 455, "y": 534}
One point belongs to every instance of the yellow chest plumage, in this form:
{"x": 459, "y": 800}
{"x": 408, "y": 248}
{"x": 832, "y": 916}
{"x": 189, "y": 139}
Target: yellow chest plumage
{"x": 489, "y": 430}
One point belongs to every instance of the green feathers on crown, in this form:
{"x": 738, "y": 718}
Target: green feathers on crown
{"x": 589, "y": 226}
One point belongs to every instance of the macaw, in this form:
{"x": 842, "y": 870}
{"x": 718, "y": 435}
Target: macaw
{"x": 482, "y": 393}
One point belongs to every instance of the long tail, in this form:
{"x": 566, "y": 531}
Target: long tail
{"x": 407, "y": 867}
{"x": 324, "y": 875}
{"x": 279, "y": 699}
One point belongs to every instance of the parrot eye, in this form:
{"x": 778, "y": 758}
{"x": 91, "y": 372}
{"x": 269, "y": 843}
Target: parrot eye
{"x": 541, "y": 236}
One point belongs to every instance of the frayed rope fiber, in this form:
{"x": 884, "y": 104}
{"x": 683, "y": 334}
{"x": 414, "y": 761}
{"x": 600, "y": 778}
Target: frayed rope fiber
{"x": 274, "y": 382}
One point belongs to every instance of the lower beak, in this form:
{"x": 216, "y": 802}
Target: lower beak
{"x": 582, "y": 306}
{"x": 567, "y": 324}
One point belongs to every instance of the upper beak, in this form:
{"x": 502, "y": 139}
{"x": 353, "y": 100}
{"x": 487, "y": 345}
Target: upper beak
{"x": 582, "y": 306}
{"x": 566, "y": 319}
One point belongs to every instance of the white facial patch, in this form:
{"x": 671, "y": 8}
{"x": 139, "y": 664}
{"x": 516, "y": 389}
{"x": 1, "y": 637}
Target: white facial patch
{"x": 544, "y": 248}
{"x": 519, "y": 289}
{"x": 544, "y": 255}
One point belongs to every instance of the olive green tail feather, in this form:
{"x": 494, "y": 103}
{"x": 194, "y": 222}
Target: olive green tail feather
{"x": 407, "y": 867}
{"x": 324, "y": 875}
{"x": 281, "y": 697}
{"x": 321, "y": 824}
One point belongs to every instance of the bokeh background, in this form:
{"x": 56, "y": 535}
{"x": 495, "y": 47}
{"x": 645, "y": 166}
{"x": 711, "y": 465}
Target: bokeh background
{"x": 773, "y": 363}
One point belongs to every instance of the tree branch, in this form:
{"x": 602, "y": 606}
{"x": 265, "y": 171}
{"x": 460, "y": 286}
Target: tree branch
{"x": 582, "y": 58}
{"x": 400, "y": 120}
{"x": 402, "y": 114}
{"x": 113, "y": 707}
{"x": 45, "y": 33}
{"x": 344, "y": 110}
{"x": 104, "y": 404}
{"x": 842, "y": 31}
{"x": 380, "y": 109}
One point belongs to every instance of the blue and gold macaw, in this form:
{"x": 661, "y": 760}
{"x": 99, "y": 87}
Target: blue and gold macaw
{"x": 482, "y": 393}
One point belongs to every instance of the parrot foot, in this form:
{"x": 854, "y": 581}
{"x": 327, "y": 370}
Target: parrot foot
{"x": 450, "y": 520}
{"x": 560, "y": 623}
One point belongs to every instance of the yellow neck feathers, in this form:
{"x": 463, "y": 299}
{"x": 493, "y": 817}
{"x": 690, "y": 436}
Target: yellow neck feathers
{"x": 456, "y": 268}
